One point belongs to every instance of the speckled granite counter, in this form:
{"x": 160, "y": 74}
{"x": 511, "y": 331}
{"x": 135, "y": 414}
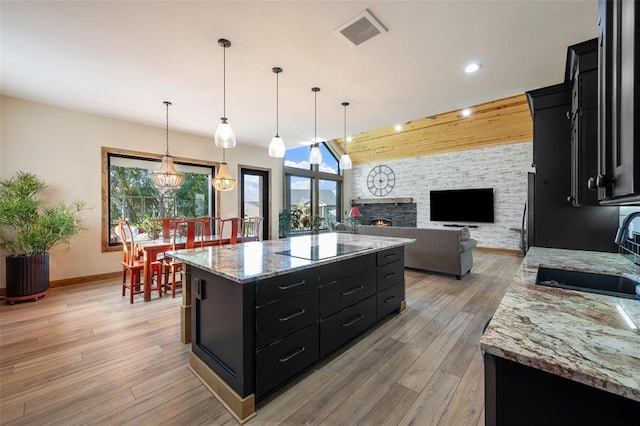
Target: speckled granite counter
{"x": 259, "y": 260}
{"x": 576, "y": 335}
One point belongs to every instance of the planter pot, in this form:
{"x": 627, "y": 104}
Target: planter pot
{"x": 27, "y": 277}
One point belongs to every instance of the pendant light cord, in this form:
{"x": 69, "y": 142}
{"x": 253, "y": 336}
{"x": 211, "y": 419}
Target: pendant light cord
{"x": 315, "y": 118}
{"x": 167, "y": 132}
{"x": 224, "y": 156}
{"x": 345, "y": 126}
{"x": 224, "y": 81}
{"x": 277, "y": 105}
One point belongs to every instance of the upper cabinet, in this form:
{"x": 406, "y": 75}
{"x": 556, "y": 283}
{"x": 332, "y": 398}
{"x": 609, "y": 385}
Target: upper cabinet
{"x": 582, "y": 73}
{"x": 618, "y": 178}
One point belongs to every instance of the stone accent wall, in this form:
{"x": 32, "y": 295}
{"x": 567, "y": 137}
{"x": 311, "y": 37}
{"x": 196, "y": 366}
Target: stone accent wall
{"x": 503, "y": 168}
{"x": 401, "y": 214}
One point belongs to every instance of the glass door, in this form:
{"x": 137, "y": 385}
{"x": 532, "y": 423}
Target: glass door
{"x": 254, "y": 196}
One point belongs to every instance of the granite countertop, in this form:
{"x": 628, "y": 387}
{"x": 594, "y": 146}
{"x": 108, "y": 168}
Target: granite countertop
{"x": 258, "y": 260}
{"x": 577, "y": 335}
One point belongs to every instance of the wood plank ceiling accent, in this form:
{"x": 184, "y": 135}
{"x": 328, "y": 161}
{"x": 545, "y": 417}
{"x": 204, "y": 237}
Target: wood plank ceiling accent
{"x": 499, "y": 122}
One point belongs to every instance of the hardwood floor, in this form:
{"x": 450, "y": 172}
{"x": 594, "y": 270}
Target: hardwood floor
{"x": 84, "y": 355}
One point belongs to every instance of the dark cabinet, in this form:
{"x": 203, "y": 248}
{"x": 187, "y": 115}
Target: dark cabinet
{"x": 552, "y": 221}
{"x": 516, "y": 394}
{"x": 582, "y": 73}
{"x": 618, "y": 178}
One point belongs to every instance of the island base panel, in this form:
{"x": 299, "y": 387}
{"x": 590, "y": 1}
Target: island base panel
{"x": 243, "y": 409}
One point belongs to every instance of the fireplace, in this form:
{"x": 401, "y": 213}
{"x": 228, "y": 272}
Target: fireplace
{"x": 387, "y": 211}
{"x": 381, "y": 221}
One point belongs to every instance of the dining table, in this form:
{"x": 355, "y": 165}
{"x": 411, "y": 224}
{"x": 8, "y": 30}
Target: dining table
{"x": 150, "y": 250}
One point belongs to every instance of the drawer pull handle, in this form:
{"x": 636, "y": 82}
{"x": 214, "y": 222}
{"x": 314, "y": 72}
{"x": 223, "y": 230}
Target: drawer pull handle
{"x": 389, "y": 299}
{"x": 390, "y": 275}
{"x": 287, "y": 287}
{"x": 352, "y": 320}
{"x": 389, "y": 255}
{"x": 352, "y": 290}
{"x": 293, "y": 315}
{"x": 292, "y": 354}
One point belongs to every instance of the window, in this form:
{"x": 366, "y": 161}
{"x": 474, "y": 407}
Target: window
{"x": 312, "y": 194}
{"x": 129, "y": 194}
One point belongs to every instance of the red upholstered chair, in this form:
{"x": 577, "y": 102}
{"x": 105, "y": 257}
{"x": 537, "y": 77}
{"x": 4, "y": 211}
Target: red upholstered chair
{"x": 234, "y": 224}
{"x": 192, "y": 231}
{"x": 132, "y": 264}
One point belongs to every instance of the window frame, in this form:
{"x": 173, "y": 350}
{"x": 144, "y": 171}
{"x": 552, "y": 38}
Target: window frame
{"x": 316, "y": 175}
{"x": 108, "y": 152}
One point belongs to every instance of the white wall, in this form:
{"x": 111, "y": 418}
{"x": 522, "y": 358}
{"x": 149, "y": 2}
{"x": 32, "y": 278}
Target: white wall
{"x": 502, "y": 167}
{"x": 63, "y": 147}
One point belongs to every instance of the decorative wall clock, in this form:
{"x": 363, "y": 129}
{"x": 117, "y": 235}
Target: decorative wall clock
{"x": 381, "y": 180}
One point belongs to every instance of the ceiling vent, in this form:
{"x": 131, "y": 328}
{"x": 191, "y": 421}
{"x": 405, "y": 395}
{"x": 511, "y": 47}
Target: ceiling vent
{"x": 362, "y": 27}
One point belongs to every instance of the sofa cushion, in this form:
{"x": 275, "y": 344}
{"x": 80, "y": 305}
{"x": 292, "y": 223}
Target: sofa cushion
{"x": 467, "y": 245}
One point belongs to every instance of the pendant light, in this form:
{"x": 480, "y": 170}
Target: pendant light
{"x": 345, "y": 160}
{"x": 166, "y": 177}
{"x": 224, "y": 137}
{"x": 223, "y": 180}
{"x": 315, "y": 156}
{"x": 276, "y": 147}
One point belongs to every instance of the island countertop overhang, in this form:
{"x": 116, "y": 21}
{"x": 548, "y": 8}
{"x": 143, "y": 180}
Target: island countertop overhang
{"x": 258, "y": 260}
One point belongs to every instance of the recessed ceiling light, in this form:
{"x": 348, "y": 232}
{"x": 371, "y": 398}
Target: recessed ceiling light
{"x": 398, "y": 127}
{"x": 473, "y": 67}
{"x": 466, "y": 112}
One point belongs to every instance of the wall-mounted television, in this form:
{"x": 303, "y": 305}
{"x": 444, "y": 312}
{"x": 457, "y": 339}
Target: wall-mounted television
{"x": 462, "y": 205}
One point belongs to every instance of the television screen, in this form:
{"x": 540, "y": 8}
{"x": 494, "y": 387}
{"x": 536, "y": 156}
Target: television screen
{"x": 462, "y": 205}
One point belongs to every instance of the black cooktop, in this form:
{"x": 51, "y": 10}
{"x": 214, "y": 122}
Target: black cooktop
{"x": 320, "y": 252}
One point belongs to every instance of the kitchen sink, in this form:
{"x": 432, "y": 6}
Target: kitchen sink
{"x": 611, "y": 285}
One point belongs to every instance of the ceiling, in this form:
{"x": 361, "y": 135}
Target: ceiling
{"x": 122, "y": 59}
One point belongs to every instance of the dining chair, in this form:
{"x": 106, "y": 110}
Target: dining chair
{"x": 131, "y": 263}
{"x": 210, "y": 225}
{"x": 165, "y": 224}
{"x": 251, "y": 228}
{"x": 234, "y": 224}
{"x": 192, "y": 231}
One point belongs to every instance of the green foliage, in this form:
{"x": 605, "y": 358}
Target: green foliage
{"x": 27, "y": 226}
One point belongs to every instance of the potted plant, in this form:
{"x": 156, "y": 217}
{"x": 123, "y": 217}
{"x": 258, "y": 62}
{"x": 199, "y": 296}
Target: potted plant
{"x": 28, "y": 230}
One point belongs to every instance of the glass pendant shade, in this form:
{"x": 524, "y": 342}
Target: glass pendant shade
{"x": 224, "y": 137}
{"x": 223, "y": 180}
{"x": 315, "y": 156}
{"x": 166, "y": 177}
{"x": 345, "y": 162}
{"x": 276, "y": 147}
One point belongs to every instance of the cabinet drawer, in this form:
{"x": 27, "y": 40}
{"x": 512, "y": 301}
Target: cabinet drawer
{"x": 282, "y": 360}
{"x": 284, "y": 316}
{"x": 389, "y": 300}
{"x": 346, "y": 324}
{"x": 286, "y": 285}
{"x": 346, "y": 291}
{"x": 335, "y": 271}
{"x": 390, "y": 274}
{"x": 391, "y": 255}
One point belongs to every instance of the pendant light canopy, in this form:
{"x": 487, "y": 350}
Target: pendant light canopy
{"x": 345, "y": 160}
{"x": 224, "y": 137}
{"x": 166, "y": 177}
{"x": 276, "y": 147}
{"x": 223, "y": 180}
{"x": 315, "y": 156}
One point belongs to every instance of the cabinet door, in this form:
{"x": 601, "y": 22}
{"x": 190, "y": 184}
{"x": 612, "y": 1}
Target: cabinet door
{"x": 341, "y": 327}
{"x": 619, "y": 100}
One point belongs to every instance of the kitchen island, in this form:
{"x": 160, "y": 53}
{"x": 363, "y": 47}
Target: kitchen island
{"x": 259, "y": 314}
{"x": 556, "y": 356}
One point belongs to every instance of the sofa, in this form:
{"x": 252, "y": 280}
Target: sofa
{"x": 436, "y": 249}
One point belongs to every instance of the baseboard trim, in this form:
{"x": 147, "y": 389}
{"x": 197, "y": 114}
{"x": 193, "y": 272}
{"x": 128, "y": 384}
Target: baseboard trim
{"x": 500, "y": 250}
{"x": 84, "y": 280}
